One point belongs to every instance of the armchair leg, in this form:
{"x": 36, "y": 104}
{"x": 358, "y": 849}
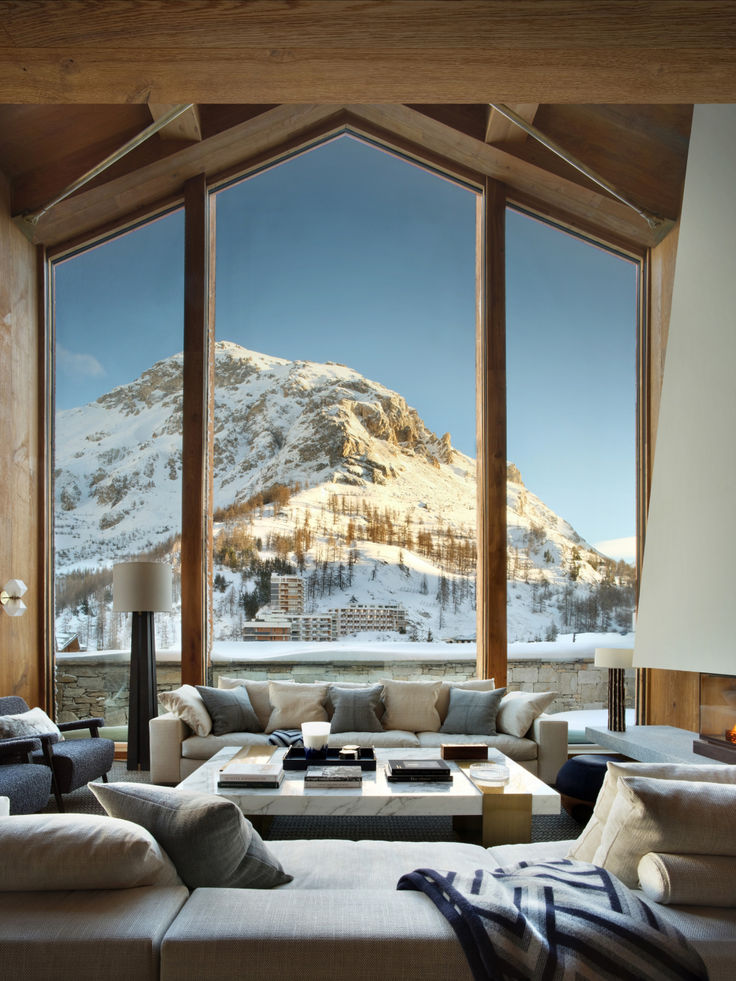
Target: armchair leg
{"x": 48, "y": 755}
{"x": 104, "y": 778}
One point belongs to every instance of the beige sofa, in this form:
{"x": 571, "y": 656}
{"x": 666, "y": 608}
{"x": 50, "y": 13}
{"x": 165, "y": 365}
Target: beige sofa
{"x": 340, "y": 919}
{"x": 177, "y": 750}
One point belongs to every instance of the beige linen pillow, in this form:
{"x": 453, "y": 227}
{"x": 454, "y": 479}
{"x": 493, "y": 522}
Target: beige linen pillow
{"x": 186, "y": 704}
{"x": 520, "y": 708}
{"x": 585, "y": 847}
{"x": 257, "y": 693}
{"x": 411, "y": 705}
{"x": 680, "y": 816}
{"x": 689, "y": 880}
{"x": 295, "y": 703}
{"x": 44, "y": 852}
{"x": 473, "y": 684}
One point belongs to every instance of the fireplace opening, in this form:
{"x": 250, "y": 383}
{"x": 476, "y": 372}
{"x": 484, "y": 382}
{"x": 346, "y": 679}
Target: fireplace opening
{"x": 717, "y": 718}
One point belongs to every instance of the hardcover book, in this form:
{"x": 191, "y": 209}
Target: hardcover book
{"x": 418, "y": 770}
{"x": 333, "y": 776}
{"x": 242, "y": 771}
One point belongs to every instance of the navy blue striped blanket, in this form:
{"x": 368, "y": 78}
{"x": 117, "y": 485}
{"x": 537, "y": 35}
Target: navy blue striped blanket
{"x": 556, "y": 920}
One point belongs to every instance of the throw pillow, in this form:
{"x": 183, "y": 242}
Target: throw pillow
{"x": 44, "y": 852}
{"x": 473, "y": 684}
{"x": 679, "y": 816}
{"x": 207, "y": 838}
{"x": 586, "y": 845}
{"x": 473, "y": 712}
{"x": 355, "y": 709}
{"x": 257, "y": 693}
{"x": 34, "y": 722}
{"x": 295, "y": 703}
{"x": 186, "y": 704}
{"x": 689, "y": 880}
{"x": 230, "y": 711}
{"x": 411, "y": 705}
{"x": 519, "y": 709}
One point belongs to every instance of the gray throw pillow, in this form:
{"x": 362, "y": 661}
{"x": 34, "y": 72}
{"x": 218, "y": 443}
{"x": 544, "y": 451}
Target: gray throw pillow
{"x": 230, "y": 710}
{"x": 356, "y": 709}
{"x": 473, "y": 712}
{"x": 205, "y": 836}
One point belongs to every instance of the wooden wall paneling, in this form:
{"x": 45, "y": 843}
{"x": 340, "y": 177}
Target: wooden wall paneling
{"x": 194, "y": 536}
{"x": 491, "y": 432}
{"x": 22, "y": 665}
{"x": 395, "y": 51}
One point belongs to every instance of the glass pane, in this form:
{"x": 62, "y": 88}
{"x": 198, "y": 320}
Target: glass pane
{"x": 571, "y": 357}
{"x": 117, "y": 469}
{"x": 344, "y": 510}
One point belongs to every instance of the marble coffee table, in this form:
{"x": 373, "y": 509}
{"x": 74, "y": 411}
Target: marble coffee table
{"x": 503, "y": 813}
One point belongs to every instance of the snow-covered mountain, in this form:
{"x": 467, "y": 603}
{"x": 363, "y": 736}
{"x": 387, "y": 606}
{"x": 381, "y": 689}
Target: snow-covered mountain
{"x": 326, "y": 471}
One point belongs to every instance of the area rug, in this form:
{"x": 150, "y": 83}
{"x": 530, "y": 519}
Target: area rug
{"x": 544, "y": 828}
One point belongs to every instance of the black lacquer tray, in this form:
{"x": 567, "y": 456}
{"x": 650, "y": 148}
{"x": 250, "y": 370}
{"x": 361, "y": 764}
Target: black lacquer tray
{"x": 295, "y": 759}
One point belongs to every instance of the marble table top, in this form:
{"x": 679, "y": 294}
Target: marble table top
{"x": 377, "y": 795}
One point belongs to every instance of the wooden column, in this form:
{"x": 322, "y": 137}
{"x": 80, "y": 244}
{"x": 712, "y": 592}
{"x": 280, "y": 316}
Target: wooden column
{"x": 491, "y": 432}
{"x": 196, "y": 522}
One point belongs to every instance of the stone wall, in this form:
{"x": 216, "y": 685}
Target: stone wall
{"x": 97, "y": 685}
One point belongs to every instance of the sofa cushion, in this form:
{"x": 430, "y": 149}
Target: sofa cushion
{"x": 42, "y": 852}
{"x": 343, "y": 864}
{"x": 186, "y": 704}
{"x": 586, "y": 845}
{"x": 206, "y": 837}
{"x": 204, "y": 747}
{"x": 87, "y": 934}
{"x": 34, "y": 722}
{"x": 295, "y": 703}
{"x": 680, "y": 816}
{"x": 517, "y": 749}
{"x": 355, "y": 709}
{"x": 385, "y": 739}
{"x": 472, "y": 684}
{"x": 411, "y": 705}
{"x": 689, "y": 880}
{"x": 519, "y": 709}
{"x": 229, "y": 709}
{"x": 361, "y": 685}
{"x": 257, "y": 693}
{"x": 473, "y": 712}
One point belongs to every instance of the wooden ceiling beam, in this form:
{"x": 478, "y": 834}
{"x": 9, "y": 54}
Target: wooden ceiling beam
{"x": 187, "y": 127}
{"x": 500, "y": 130}
{"x": 656, "y": 75}
{"x": 584, "y": 206}
{"x": 114, "y": 196}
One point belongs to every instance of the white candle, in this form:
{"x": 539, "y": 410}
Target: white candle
{"x": 315, "y": 734}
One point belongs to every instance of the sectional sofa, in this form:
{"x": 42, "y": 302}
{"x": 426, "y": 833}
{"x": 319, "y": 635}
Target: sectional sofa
{"x": 98, "y": 899}
{"x": 400, "y": 714}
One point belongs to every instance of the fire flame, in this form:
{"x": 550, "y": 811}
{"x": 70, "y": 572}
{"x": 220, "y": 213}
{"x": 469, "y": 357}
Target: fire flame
{"x": 731, "y": 735}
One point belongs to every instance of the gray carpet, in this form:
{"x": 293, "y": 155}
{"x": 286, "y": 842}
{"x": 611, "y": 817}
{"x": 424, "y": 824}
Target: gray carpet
{"x": 544, "y": 828}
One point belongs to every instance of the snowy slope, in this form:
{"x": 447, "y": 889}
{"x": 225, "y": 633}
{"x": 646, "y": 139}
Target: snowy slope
{"x": 386, "y": 507}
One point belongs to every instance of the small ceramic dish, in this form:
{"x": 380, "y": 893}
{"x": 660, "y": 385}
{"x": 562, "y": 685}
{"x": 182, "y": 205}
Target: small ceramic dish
{"x": 489, "y": 774}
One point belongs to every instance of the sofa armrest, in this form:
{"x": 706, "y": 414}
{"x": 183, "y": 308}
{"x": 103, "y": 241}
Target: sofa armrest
{"x": 167, "y": 733}
{"x": 550, "y": 735}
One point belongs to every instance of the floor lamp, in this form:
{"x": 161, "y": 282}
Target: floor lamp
{"x": 616, "y": 660}
{"x": 141, "y": 588}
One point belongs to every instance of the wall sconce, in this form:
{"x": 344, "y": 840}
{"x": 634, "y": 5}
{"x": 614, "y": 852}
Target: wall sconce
{"x": 10, "y": 597}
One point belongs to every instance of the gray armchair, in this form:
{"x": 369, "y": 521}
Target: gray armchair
{"x": 27, "y": 786}
{"x": 71, "y": 763}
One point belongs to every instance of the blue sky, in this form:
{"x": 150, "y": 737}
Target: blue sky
{"x": 348, "y": 254}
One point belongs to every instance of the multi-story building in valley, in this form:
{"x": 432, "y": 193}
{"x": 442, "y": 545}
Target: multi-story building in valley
{"x": 287, "y": 593}
{"x": 379, "y": 617}
{"x": 270, "y": 627}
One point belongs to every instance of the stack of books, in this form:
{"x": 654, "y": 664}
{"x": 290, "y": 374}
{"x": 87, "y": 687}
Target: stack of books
{"x": 419, "y": 770}
{"x": 244, "y": 772}
{"x": 345, "y": 777}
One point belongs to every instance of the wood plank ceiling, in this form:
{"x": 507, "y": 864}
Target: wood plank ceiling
{"x": 612, "y": 82}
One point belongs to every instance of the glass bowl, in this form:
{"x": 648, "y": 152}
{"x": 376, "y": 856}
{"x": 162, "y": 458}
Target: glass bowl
{"x": 489, "y": 774}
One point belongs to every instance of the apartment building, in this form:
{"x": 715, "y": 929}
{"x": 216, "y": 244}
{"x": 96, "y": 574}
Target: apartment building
{"x": 287, "y": 593}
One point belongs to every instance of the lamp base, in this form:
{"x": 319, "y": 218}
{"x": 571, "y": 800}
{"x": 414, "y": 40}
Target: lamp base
{"x": 143, "y": 697}
{"x": 616, "y": 700}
